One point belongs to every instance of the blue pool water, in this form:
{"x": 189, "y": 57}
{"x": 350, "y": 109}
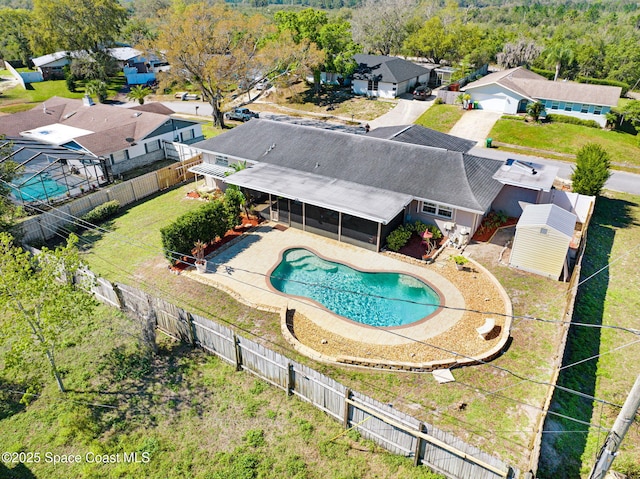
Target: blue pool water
{"x": 377, "y": 299}
{"x": 40, "y": 187}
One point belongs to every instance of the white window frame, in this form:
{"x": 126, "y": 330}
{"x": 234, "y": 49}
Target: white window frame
{"x": 435, "y": 209}
{"x": 152, "y": 146}
{"x": 188, "y": 135}
{"x": 222, "y": 160}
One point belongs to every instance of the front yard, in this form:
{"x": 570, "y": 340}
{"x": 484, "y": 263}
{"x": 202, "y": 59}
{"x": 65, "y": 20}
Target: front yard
{"x": 489, "y": 407}
{"x": 546, "y": 138}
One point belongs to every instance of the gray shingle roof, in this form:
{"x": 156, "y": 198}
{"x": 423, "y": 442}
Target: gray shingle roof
{"x": 442, "y": 176}
{"x": 419, "y": 135}
{"x": 535, "y": 87}
{"x": 386, "y": 69}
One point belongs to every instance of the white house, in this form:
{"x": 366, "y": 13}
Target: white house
{"x": 386, "y": 77}
{"x": 126, "y": 137}
{"x": 510, "y": 91}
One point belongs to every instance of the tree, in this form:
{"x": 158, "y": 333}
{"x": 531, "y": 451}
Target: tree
{"x": 523, "y": 52}
{"x": 93, "y": 66}
{"x": 559, "y": 55}
{"x": 40, "y": 303}
{"x": 535, "y": 109}
{"x": 380, "y": 26}
{"x": 139, "y": 93}
{"x": 220, "y": 50}
{"x": 592, "y": 170}
{"x": 14, "y": 35}
{"x": 98, "y": 89}
{"x": 631, "y": 112}
{"x": 72, "y": 25}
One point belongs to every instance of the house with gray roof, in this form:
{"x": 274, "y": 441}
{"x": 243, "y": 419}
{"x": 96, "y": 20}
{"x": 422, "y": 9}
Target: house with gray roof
{"x": 419, "y": 135}
{"x": 356, "y": 188}
{"x": 510, "y": 91}
{"x": 386, "y": 77}
{"x": 126, "y": 138}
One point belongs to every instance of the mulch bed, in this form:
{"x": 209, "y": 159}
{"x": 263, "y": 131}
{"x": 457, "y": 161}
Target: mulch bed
{"x": 415, "y": 249}
{"x": 484, "y": 234}
{"x": 211, "y": 247}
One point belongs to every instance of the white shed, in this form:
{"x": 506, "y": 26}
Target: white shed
{"x": 541, "y": 244}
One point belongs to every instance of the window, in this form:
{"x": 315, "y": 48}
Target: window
{"x": 597, "y": 110}
{"x": 152, "y": 146}
{"x": 119, "y": 156}
{"x": 222, "y": 160}
{"x": 555, "y": 105}
{"x": 187, "y": 135}
{"x": 568, "y": 106}
{"x": 372, "y": 85}
{"x": 437, "y": 210}
{"x": 584, "y": 109}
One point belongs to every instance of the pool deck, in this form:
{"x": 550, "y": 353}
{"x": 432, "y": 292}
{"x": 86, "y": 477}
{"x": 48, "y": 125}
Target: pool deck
{"x": 244, "y": 266}
{"x": 447, "y": 338}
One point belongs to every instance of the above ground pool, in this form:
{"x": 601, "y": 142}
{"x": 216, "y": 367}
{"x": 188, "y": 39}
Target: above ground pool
{"x": 381, "y": 299}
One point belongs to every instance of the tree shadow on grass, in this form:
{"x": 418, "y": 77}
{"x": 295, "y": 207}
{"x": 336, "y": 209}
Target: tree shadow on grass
{"x": 19, "y": 471}
{"x": 10, "y": 399}
{"x": 561, "y": 452}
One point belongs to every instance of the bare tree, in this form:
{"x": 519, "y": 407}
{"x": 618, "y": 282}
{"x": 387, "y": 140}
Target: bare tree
{"x": 523, "y": 52}
{"x": 380, "y": 26}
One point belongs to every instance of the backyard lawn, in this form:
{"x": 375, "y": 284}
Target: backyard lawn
{"x": 623, "y": 148}
{"x": 440, "y": 117}
{"x": 485, "y": 406}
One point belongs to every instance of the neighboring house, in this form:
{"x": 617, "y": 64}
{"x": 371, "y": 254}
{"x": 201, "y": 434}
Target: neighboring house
{"x": 126, "y": 137}
{"x": 356, "y": 188}
{"x": 544, "y": 234}
{"x": 510, "y": 91}
{"x": 387, "y": 77}
{"x": 52, "y": 65}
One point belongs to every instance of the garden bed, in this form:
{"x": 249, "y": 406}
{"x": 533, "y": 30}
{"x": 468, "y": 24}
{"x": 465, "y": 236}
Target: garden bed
{"x": 490, "y": 225}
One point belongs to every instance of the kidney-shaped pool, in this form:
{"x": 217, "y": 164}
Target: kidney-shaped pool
{"x": 381, "y": 299}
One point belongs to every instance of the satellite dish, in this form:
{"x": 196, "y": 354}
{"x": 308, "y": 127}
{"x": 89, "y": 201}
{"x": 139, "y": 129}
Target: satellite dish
{"x": 129, "y": 140}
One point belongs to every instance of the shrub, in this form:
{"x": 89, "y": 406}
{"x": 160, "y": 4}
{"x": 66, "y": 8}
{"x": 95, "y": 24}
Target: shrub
{"x": 460, "y": 260}
{"x": 204, "y": 224}
{"x": 592, "y": 170}
{"x": 399, "y": 237}
{"x": 435, "y": 231}
{"x": 102, "y": 212}
{"x": 548, "y": 74}
{"x": 438, "y": 101}
{"x": 512, "y": 117}
{"x": 572, "y": 120}
{"x": 418, "y": 227}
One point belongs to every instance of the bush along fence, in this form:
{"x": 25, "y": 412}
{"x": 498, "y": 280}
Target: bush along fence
{"x": 394, "y": 430}
{"x": 40, "y": 228}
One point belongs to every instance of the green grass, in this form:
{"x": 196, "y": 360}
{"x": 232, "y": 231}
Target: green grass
{"x": 42, "y": 91}
{"x": 210, "y": 131}
{"x": 623, "y": 148}
{"x": 609, "y": 298}
{"x": 185, "y": 413}
{"x": 440, "y": 117}
{"x": 496, "y": 423}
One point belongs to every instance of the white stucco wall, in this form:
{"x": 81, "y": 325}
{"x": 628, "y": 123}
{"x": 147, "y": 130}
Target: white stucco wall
{"x": 385, "y": 90}
{"x": 495, "y": 98}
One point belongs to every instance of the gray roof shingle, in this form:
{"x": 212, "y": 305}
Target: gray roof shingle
{"x": 386, "y": 69}
{"x": 419, "y": 135}
{"x": 438, "y": 175}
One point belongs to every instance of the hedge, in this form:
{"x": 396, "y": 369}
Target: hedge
{"x": 102, "y": 212}
{"x": 210, "y": 221}
{"x": 548, "y": 74}
{"x": 555, "y": 118}
{"x": 399, "y": 237}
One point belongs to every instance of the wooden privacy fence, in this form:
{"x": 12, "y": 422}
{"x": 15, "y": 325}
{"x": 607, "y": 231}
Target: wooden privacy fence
{"x": 381, "y": 423}
{"x": 42, "y": 227}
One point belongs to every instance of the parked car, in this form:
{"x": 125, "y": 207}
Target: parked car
{"x": 263, "y": 85}
{"x": 184, "y": 96}
{"x": 241, "y": 114}
{"x": 421, "y": 93}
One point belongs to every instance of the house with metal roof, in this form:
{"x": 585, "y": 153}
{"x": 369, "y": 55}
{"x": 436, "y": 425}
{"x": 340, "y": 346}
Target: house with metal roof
{"x": 125, "y": 137}
{"x": 386, "y": 77}
{"x": 353, "y": 188}
{"x": 510, "y": 91}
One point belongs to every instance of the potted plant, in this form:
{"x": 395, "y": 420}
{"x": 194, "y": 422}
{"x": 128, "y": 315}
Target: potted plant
{"x": 198, "y": 252}
{"x": 460, "y": 261}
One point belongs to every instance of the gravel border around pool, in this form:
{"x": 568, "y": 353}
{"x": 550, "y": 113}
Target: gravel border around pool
{"x": 241, "y": 270}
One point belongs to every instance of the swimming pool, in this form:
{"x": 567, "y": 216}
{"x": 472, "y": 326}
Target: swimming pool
{"x": 39, "y": 187}
{"x": 381, "y": 299}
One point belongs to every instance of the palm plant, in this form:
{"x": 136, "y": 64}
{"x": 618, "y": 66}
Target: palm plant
{"x": 96, "y": 88}
{"x": 535, "y": 109}
{"x": 139, "y": 93}
{"x": 560, "y": 55}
